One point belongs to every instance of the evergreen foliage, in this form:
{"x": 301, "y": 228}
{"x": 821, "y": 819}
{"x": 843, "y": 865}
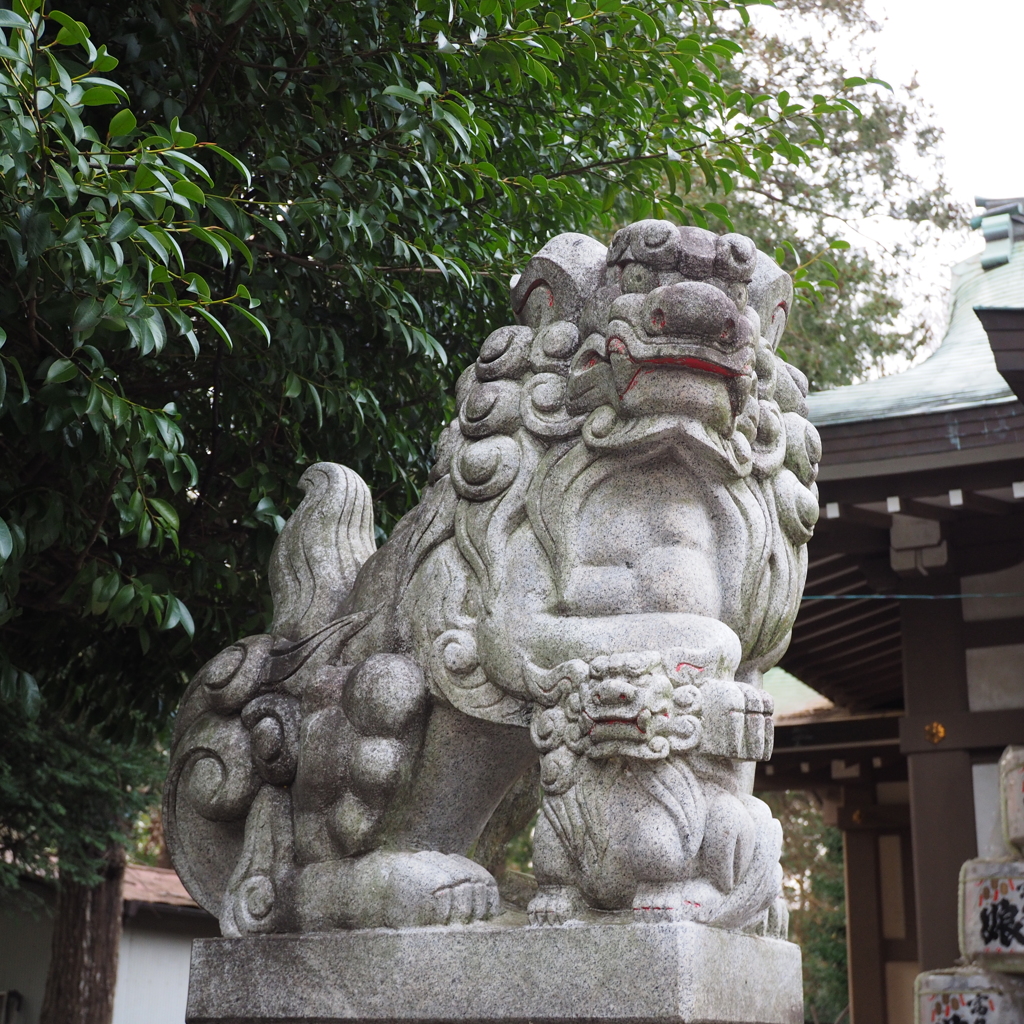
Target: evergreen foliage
{"x": 812, "y": 865}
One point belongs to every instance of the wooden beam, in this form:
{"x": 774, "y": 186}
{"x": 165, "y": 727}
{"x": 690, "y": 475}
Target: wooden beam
{"x": 889, "y": 630}
{"x": 922, "y": 510}
{"x": 880, "y": 608}
{"x": 863, "y": 928}
{"x": 875, "y": 816}
{"x": 941, "y": 786}
{"x": 846, "y": 665}
{"x": 960, "y": 730}
{"x": 994, "y": 632}
{"x": 865, "y": 517}
{"x": 983, "y": 503}
{"x": 1005, "y": 329}
{"x": 1000, "y": 471}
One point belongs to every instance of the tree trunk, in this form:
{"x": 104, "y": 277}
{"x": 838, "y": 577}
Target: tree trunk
{"x": 83, "y": 953}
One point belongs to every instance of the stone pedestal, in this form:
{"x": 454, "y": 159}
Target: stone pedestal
{"x": 677, "y": 973}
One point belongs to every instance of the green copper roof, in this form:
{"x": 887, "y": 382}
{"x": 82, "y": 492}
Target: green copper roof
{"x": 960, "y": 374}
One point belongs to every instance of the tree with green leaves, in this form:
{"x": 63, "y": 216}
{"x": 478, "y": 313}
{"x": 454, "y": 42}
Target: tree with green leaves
{"x": 861, "y": 165}
{"x": 812, "y": 865}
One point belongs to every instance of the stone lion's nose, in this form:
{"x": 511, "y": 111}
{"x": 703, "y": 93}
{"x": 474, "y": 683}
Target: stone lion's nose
{"x": 615, "y": 691}
{"x": 695, "y": 309}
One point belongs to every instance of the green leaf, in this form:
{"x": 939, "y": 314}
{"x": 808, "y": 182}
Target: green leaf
{"x": 215, "y": 324}
{"x": 8, "y": 19}
{"x": 122, "y": 600}
{"x": 190, "y": 191}
{"x": 233, "y": 160}
{"x": 405, "y": 94}
{"x": 317, "y": 406}
{"x": 255, "y": 321}
{"x": 61, "y": 371}
{"x": 99, "y": 96}
{"x": 838, "y": 243}
{"x": 122, "y": 123}
{"x": 66, "y": 182}
{"x": 185, "y": 618}
{"x": 122, "y": 226}
{"x": 165, "y": 510}
{"x": 6, "y": 542}
{"x": 213, "y": 241}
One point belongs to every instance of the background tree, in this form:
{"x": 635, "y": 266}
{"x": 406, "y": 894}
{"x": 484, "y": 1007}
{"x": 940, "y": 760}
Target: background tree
{"x": 863, "y": 165}
{"x": 812, "y": 865}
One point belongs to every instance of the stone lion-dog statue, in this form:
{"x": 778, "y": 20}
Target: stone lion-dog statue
{"x": 609, "y": 554}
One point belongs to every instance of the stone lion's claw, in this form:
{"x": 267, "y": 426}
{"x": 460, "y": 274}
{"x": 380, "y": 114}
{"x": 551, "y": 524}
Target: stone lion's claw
{"x": 555, "y": 905}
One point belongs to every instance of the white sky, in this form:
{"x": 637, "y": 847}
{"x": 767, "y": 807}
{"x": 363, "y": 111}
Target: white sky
{"x": 963, "y": 56}
{"x": 966, "y": 62}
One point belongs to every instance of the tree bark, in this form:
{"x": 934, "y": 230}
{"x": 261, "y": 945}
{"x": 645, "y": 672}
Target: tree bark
{"x": 84, "y": 951}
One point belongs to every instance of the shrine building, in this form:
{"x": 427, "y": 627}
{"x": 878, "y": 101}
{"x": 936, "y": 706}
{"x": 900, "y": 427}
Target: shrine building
{"x": 913, "y": 625}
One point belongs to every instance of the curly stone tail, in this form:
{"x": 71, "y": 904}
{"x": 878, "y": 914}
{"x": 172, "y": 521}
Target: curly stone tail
{"x": 321, "y": 549}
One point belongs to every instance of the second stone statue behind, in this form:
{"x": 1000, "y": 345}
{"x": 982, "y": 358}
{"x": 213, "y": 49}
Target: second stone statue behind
{"x": 610, "y": 553}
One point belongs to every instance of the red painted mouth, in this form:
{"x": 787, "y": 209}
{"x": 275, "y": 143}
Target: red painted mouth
{"x": 617, "y": 346}
{"x": 611, "y": 721}
{"x": 596, "y": 722}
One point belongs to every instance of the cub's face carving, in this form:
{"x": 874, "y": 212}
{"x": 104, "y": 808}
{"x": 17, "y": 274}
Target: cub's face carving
{"x": 670, "y": 331}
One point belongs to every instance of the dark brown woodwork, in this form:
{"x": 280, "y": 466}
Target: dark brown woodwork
{"x": 994, "y": 632}
{"x": 964, "y": 730}
{"x": 865, "y": 517}
{"x": 983, "y": 503}
{"x": 84, "y": 949}
{"x": 941, "y": 789}
{"x": 877, "y": 817}
{"x": 1005, "y": 330}
{"x": 925, "y": 510}
{"x": 998, "y": 470}
{"x": 864, "y": 928}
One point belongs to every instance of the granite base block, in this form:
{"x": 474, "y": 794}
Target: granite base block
{"x": 679, "y": 973}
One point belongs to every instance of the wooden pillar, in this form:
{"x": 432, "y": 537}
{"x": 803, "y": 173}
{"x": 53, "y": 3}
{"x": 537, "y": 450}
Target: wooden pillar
{"x": 941, "y": 790}
{"x": 865, "y": 967}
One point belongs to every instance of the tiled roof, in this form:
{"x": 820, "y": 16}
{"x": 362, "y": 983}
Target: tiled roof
{"x": 960, "y": 374}
{"x": 155, "y": 885}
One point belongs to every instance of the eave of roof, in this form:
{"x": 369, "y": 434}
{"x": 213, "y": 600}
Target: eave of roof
{"x": 960, "y": 374}
{"x": 145, "y": 884}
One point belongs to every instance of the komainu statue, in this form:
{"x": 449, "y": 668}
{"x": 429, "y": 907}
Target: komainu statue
{"x": 610, "y": 552}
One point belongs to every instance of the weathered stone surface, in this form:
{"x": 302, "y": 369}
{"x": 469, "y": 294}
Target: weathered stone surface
{"x": 611, "y": 552}
{"x": 992, "y": 914}
{"x": 674, "y": 973}
{"x": 967, "y": 995}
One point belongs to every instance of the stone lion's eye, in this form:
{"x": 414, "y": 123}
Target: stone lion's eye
{"x": 658, "y": 319}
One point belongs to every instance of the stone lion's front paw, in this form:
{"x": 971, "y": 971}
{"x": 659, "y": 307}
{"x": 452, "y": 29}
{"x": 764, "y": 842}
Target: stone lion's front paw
{"x": 436, "y": 889}
{"x": 555, "y": 904}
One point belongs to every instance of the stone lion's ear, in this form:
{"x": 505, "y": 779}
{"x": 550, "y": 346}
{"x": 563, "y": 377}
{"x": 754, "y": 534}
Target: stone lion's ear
{"x": 656, "y": 243}
{"x": 735, "y": 258}
{"x": 696, "y": 253}
{"x": 558, "y": 280}
{"x": 618, "y": 250}
{"x": 771, "y": 295}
